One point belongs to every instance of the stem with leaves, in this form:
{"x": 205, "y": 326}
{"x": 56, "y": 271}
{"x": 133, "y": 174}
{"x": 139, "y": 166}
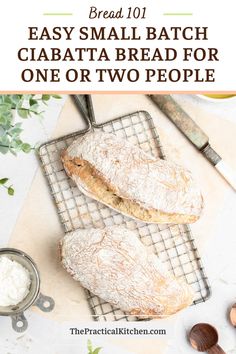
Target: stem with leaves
{"x": 3, "y": 183}
{"x": 25, "y": 106}
{"x": 91, "y": 350}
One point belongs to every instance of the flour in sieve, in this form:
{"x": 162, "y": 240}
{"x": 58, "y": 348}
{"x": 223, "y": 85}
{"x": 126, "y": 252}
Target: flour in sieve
{"x": 14, "y": 282}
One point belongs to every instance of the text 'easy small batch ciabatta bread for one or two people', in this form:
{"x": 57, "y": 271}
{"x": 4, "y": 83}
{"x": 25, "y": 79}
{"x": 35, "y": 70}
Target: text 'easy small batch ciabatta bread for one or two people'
{"x": 119, "y": 174}
{"x": 113, "y": 264}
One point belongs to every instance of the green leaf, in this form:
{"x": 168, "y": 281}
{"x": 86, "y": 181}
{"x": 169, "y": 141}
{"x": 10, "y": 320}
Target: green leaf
{"x": 2, "y": 131}
{"x": 16, "y": 144}
{"x": 3, "y": 120}
{"x": 89, "y": 345}
{"x": 4, "y": 107}
{"x": 4, "y": 180}
{"x": 6, "y": 118}
{"x": 18, "y": 125}
{"x": 46, "y": 97}
{"x": 34, "y": 109}
{"x": 7, "y": 99}
{"x": 4, "y": 150}
{"x": 57, "y": 97}
{"x": 97, "y": 350}
{"x": 4, "y": 144}
{"x": 90, "y": 348}
{"x": 33, "y": 102}
{"x": 16, "y": 100}
{"x": 26, "y": 148}
{"x": 5, "y": 140}
{"x": 15, "y": 131}
{"x": 23, "y": 113}
{"x": 10, "y": 191}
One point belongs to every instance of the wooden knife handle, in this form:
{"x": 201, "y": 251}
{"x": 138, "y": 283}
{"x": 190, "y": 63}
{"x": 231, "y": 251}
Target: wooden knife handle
{"x": 182, "y": 120}
{"x": 216, "y": 350}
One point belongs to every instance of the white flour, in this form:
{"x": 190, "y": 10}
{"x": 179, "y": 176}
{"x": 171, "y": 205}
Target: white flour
{"x": 136, "y": 175}
{"x": 14, "y": 282}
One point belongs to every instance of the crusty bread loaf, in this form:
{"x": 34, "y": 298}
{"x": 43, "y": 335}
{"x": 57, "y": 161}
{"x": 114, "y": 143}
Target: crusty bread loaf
{"x": 121, "y": 175}
{"x": 114, "y": 265}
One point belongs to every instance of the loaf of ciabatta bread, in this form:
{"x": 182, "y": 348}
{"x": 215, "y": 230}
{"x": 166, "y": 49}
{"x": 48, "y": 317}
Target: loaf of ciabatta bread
{"x": 119, "y": 174}
{"x": 113, "y": 264}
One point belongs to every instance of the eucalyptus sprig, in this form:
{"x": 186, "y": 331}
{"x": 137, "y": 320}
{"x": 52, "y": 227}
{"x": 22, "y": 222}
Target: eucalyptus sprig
{"x": 9, "y": 188}
{"x": 10, "y": 132}
{"x": 91, "y": 350}
{"x": 25, "y": 106}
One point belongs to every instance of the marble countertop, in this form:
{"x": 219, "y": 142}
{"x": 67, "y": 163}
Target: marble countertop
{"x": 29, "y": 222}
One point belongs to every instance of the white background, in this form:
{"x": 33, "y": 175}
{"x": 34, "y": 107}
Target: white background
{"x": 14, "y": 20}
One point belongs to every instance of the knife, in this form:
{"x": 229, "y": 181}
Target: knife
{"x": 81, "y": 102}
{"x": 194, "y": 134}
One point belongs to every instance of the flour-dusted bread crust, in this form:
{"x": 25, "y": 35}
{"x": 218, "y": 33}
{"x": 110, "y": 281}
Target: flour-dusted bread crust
{"x": 113, "y": 264}
{"x": 121, "y": 175}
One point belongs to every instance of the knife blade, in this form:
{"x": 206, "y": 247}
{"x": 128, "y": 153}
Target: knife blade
{"x": 194, "y": 134}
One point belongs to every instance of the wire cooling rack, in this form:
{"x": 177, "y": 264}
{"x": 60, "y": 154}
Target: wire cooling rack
{"x": 174, "y": 244}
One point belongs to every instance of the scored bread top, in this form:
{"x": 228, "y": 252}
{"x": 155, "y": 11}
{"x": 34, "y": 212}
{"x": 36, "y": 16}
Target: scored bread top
{"x": 114, "y": 265}
{"x": 135, "y": 175}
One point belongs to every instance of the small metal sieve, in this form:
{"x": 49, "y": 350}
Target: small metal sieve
{"x": 34, "y": 298}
